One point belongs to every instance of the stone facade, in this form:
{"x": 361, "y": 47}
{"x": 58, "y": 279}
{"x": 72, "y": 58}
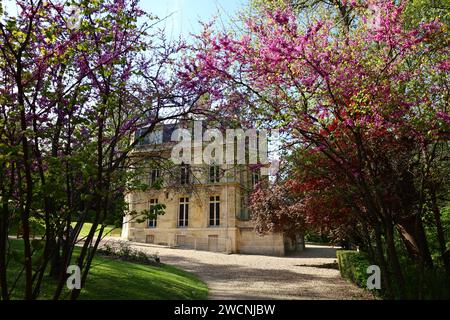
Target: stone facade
{"x": 217, "y": 217}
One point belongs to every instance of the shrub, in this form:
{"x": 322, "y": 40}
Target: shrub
{"x": 316, "y": 237}
{"x": 124, "y": 252}
{"x": 432, "y": 284}
{"x": 353, "y": 266}
{"x": 107, "y": 250}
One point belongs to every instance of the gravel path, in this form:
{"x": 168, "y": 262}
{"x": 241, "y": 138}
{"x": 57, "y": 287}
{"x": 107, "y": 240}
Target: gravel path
{"x": 308, "y": 275}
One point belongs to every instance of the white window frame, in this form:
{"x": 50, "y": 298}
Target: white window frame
{"x": 214, "y": 173}
{"x": 153, "y": 222}
{"x": 153, "y": 179}
{"x": 214, "y": 215}
{"x": 185, "y": 177}
{"x": 256, "y": 177}
{"x": 183, "y": 212}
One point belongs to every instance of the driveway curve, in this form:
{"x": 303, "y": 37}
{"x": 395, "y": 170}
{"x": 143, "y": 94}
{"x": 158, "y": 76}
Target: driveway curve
{"x": 311, "y": 274}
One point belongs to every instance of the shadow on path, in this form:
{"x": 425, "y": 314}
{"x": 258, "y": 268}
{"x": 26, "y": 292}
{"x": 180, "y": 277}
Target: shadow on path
{"x": 304, "y": 275}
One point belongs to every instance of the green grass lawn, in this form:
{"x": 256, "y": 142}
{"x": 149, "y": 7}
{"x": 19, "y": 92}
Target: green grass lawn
{"x": 38, "y": 230}
{"x": 109, "y": 230}
{"x": 112, "y": 279}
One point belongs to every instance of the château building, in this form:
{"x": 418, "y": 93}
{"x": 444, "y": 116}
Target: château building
{"x": 205, "y": 205}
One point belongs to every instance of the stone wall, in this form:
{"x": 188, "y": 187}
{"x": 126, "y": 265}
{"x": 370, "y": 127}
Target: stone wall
{"x": 232, "y": 236}
{"x": 250, "y": 242}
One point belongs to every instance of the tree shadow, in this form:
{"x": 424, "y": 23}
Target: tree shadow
{"x": 315, "y": 251}
{"x": 230, "y": 281}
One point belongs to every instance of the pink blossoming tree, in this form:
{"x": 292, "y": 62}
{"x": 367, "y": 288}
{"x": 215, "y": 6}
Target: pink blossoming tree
{"x": 372, "y": 101}
{"x": 78, "y": 79}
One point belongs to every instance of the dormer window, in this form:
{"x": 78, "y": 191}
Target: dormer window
{"x": 152, "y": 138}
{"x": 214, "y": 174}
{"x": 184, "y": 174}
{"x": 156, "y": 137}
{"x": 154, "y": 176}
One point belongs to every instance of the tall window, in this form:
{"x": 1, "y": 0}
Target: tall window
{"x": 214, "y": 211}
{"x": 244, "y": 213}
{"x": 183, "y": 217}
{"x": 152, "y": 222}
{"x": 255, "y": 178}
{"x": 154, "y": 176}
{"x": 184, "y": 174}
{"x": 214, "y": 173}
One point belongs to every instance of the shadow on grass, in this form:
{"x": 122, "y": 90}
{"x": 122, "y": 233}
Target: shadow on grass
{"x": 112, "y": 279}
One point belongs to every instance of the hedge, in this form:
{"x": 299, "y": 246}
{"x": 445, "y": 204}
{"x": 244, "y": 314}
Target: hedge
{"x": 353, "y": 266}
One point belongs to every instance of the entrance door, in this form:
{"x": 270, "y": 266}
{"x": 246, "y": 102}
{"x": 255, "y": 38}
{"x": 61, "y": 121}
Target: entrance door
{"x": 213, "y": 243}
{"x": 150, "y": 239}
{"x": 181, "y": 240}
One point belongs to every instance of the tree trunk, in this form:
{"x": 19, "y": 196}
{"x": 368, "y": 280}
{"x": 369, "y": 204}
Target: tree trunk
{"x": 4, "y": 226}
{"x": 385, "y": 276}
{"x": 413, "y": 235}
{"x": 440, "y": 234}
{"x": 55, "y": 265}
{"x": 393, "y": 260}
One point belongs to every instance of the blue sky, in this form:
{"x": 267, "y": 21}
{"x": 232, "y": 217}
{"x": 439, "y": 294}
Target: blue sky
{"x": 184, "y": 14}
